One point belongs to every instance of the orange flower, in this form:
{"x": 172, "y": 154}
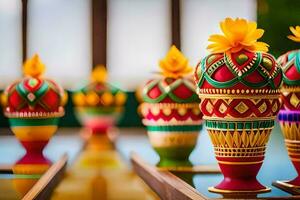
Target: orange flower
{"x": 99, "y": 74}
{"x": 238, "y": 34}
{"x": 34, "y": 67}
{"x": 296, "y": 32}
{"x": 174, "y": 65}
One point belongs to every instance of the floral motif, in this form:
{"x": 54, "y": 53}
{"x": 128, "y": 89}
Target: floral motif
{"x": 34, "y": 67}
{"x": 238, "y": 34}
{"x": 99, "y": 74}
{"x": 296, "y": 34}
{"x": 174, "y": 65}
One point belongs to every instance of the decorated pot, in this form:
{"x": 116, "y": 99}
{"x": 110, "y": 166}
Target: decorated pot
{"x": 289, "y": 115}
{"x": 238, "y": 87}
{"x": 171, "y": 112}
{"x": 34, "y": 105}
{"x": 98, "y": 104}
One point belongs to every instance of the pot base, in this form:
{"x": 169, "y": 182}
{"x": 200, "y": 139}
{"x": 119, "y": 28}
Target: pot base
{"x": 232, "y": 186}
{"x": 230, "y": 193}
{"x": 165, "y": 163}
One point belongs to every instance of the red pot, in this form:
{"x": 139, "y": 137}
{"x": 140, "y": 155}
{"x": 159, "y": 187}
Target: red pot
{"x": 239, "y": 100}
{"x": 289, "y": 115}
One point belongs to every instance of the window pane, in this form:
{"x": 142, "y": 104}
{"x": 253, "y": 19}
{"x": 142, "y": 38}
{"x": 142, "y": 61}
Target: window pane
{"x": 10, "y": 41}
{"x": 60, "y": 31}
{"x": 138, "y": 36}
{"x": 200, "y": 19}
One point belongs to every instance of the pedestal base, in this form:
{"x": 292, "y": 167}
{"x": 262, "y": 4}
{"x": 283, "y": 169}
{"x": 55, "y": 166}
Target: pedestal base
{"x": 244, "y": 194}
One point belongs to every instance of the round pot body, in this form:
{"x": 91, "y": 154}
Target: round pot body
{"x": 98, "y": 119}
{"x": 173, "y": 131}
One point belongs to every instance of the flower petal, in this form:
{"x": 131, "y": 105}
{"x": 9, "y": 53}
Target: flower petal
{"x": 294, "y": 31}
{"x": 296, "y": 39}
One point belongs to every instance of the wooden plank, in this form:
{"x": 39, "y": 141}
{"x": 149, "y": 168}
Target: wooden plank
{"x": 46, "y": 184}
{"x": 99, "y": 31}
{"x": 149, "y": 175}
{"x": 175, "y": 13}
{"x": 199, "y": 169}
{"x": 24, "y": 28}
{"x": 177, "y": 189}
{"x": 287, "y": 187}
{"x": 164, "y": 183}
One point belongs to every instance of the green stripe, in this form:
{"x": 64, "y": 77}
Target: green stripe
{"x": 33, "y": 122}
{"x": 97, "y": 110}
{"x": 239, "y": 125}
{"x": 185, "y": 128}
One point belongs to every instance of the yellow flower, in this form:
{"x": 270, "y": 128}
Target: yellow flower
{"x": 296, "y": 32}
{"x": 238, "y": 34}
{"x": 99, "y": 74}
{"x": 174, "y": 65}
{"x": 34, "y": 67}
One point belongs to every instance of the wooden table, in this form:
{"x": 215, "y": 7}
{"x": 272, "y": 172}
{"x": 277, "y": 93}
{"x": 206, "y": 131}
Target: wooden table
{"x": 170, "y": 185}
{"x": 58, "y": 151}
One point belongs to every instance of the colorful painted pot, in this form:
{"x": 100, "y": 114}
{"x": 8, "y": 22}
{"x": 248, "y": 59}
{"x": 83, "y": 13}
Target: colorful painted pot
{"x": 98, "y": 104}
{"x": 289, "y": 115}
{"x": 173, "y": 131}
{"x": 173, "y": 126}
{"x": 239, "y": 100}
{"x": 171, "y": 112}
{"x": 34, "y": 106}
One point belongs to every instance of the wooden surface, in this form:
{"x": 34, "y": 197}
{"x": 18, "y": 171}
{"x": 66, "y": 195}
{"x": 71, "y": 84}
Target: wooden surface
{"x": 175, "y": 17}
{"x": 43, "y": 188}
{"x": 277, "y": 165}
{"x": 170, "y": 187}
{"x": 165, "y": 184}
{"x": 24, "y": 28}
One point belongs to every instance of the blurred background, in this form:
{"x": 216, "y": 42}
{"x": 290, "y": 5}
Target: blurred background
{"x": 128, "y": 36}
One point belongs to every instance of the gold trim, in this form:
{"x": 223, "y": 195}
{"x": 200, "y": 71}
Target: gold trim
{"x": 236, "y": 91}
{"x": 232, "y": 119}
{"x": 295, "y": 159}
{"x": 239, "y": 139}
{"x": 171, "y": 105}
{"x": 237, "y": 96}
{"x": 222, "y": 191}
{"x": 239, "y": 163}
{"x": 240, "y": 152}
{"x": 291, "y": 131}
{"x": 292, "y": 142}
{"x": 173, "y": 121}
{"x": 290, "y": 89}
{"x": 293, "y": 153}
{"x": 35, "y": 115}
{"x": 220, "y": 129}
{"x": 174, "y": 139}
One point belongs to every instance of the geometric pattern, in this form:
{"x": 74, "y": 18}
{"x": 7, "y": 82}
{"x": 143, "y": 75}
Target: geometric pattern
{"x": 291, "y": 100}
{"x": 250, "y": 143}
{"x": 240, "y": 139}
{"x": 240, "y": 108}
{"x": 290, "y": 130}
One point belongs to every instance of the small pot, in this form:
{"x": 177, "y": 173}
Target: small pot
{"x": 173, "y": 131}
